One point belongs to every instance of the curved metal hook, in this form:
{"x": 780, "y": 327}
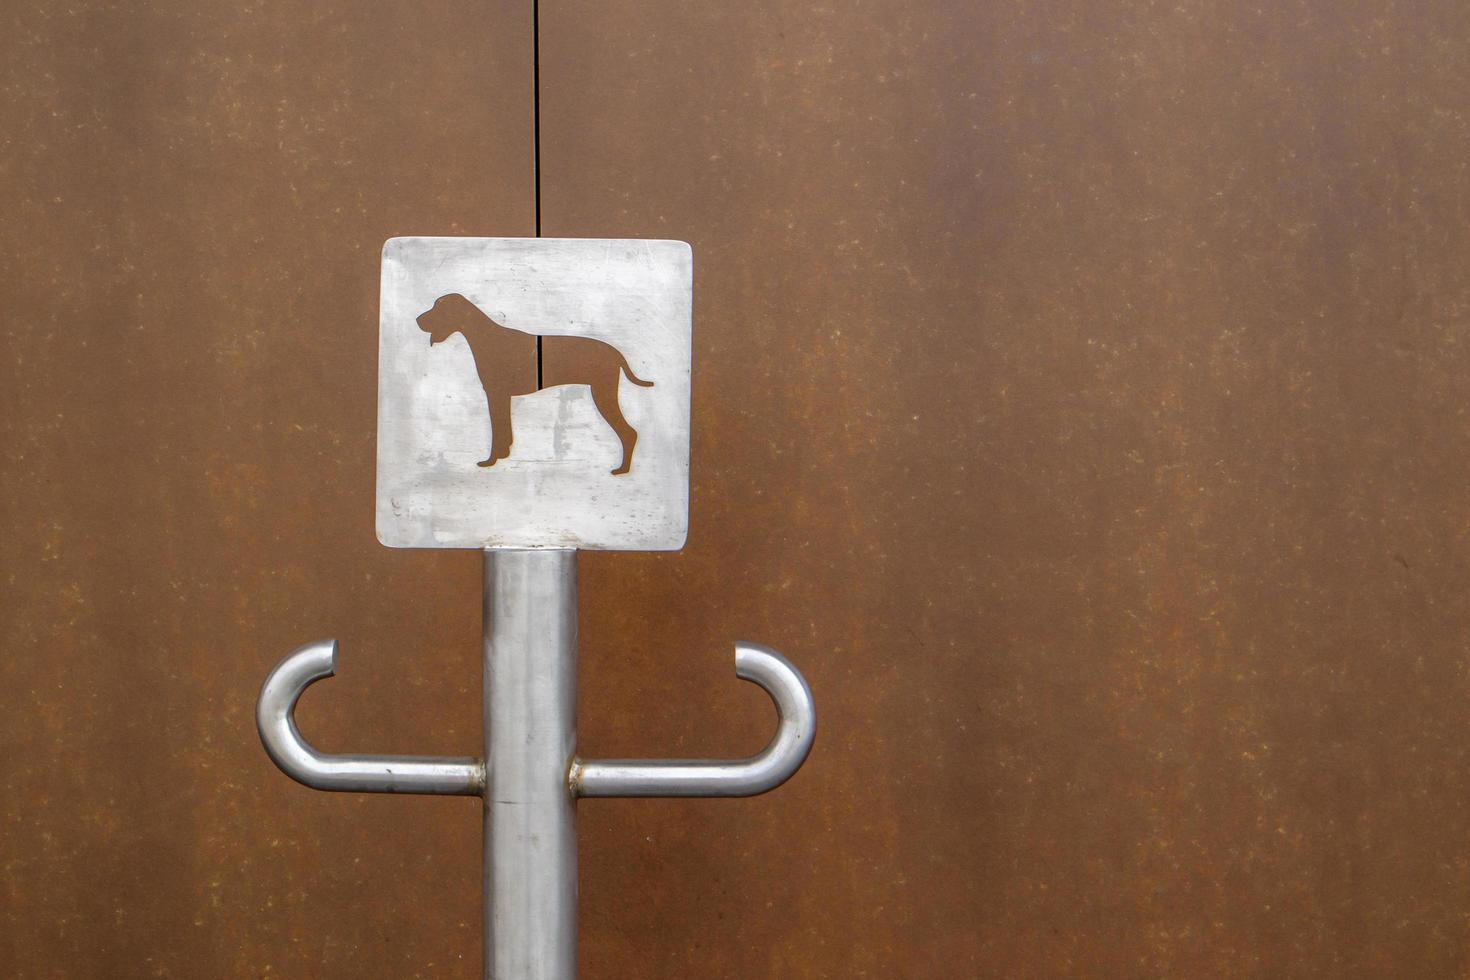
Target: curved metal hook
{"x": 274, "y": 716}
{"x": 714, "y": 777}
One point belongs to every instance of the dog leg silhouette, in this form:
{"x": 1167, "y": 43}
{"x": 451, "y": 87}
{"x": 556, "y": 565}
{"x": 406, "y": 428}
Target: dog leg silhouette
{"x": 501, "y": 433}
{"x": 605, "y": 397}
{"x": 600, "y": 366}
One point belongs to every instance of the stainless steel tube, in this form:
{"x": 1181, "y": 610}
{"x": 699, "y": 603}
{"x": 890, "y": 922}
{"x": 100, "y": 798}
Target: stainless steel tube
{"x": 275, "y": 719}
{"x": 530, "y": 863}
{"x": 796, "y": 728}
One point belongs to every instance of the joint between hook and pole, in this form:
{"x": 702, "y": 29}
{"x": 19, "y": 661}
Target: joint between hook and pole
{"x": 796, "y": 729}
{"x": 293, "y": 755}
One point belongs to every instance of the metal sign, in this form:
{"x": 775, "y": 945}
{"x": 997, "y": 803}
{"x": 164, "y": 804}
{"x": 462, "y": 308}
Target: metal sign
{"x": 533, "y": 399}
{"x": 534, "y": 393}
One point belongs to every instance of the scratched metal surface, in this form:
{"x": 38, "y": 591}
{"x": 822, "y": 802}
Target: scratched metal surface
{"x": 558, "y": 488}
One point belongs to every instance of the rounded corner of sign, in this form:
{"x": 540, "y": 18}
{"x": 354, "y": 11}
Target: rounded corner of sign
{"x": 676, "y": 540}
{"x": 388, "y": 536}
{"x": 684, "y": 254}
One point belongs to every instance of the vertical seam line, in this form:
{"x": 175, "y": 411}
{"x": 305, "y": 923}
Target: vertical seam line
{"x": 536, "y": 141}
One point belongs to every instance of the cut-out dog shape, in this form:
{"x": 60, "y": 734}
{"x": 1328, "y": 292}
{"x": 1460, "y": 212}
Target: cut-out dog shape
{"x": 505, "y": 359}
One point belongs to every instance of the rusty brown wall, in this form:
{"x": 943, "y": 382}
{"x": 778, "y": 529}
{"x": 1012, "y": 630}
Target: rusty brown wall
{"x": 194, "y": 197}
{"x": 1081, "y": 400}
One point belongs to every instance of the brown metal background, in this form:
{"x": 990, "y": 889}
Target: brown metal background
{"x": 194, "y": 199}
{"x": 1080, "y": 400}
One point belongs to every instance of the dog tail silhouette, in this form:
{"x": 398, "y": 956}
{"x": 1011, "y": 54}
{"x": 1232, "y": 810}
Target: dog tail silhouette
{"x": 633, "y": 377}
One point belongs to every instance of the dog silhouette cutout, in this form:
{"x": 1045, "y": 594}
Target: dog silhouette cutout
{"x": 505, "y": 359}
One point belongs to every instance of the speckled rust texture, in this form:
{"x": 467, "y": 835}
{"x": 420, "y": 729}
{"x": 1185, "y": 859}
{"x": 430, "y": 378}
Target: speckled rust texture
{"x": 195, "y": 195}
{"x": 1081, "y": 400}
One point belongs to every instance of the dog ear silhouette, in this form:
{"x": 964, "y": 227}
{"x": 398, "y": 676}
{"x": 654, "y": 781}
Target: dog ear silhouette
{"x": 505, "y": 360}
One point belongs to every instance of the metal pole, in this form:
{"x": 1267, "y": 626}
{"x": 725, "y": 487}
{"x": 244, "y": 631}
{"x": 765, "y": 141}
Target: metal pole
{"x": 530, "y": 776}
{"x": 530, "y": 859}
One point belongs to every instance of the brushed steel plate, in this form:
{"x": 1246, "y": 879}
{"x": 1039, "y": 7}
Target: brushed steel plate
{"x": 556, "y": 489}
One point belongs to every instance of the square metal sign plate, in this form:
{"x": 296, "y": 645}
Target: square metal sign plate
{"x": 534, "y": 393}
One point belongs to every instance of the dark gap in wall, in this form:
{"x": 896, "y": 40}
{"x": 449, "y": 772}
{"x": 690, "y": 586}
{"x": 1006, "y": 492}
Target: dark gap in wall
{"x": 536, "y": 136}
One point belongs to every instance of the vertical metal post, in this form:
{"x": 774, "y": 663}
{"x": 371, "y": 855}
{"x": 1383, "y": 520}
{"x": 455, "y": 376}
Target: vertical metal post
{"x": 530, "y": 860}
{"x": 530, "y": 776}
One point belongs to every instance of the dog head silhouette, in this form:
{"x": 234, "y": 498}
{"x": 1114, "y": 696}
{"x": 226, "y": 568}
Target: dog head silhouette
{"x": 451, "y": 314}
